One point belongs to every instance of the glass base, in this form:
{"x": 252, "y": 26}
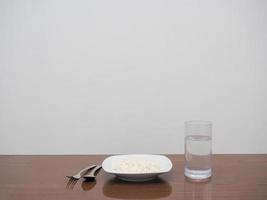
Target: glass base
{"x": 197, "y": 174}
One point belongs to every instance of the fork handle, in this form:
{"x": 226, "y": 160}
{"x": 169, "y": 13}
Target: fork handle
{"x": 93, "y": 171}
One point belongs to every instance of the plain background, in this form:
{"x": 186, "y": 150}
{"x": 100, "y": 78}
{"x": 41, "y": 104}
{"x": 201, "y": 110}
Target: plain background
{"x": 85, "y": 77}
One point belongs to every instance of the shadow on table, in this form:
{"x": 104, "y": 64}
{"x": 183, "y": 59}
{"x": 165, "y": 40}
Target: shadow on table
{"x": 116, "y": 188}
{"x": 88, "y": 185}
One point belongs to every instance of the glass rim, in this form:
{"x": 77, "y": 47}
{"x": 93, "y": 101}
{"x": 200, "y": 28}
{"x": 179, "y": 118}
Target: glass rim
{"x": 198, "y": 122}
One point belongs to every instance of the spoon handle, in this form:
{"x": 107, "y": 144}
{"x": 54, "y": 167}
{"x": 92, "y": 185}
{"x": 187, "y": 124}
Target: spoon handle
{"x": 92, "y": 172}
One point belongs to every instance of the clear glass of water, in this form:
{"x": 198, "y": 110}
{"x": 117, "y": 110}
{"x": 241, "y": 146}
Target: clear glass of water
{"x": 198, "y": 150}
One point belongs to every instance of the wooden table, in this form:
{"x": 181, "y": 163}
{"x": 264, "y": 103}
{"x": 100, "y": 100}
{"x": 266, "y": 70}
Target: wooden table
{"x": 43, "y": 177}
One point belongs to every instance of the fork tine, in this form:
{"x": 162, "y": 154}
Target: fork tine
{"x": 74, "y": 181}
{"x": 71, "y": 183}
{"x": 68, "y": 184}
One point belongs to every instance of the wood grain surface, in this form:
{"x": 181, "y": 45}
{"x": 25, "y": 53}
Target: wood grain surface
{"x": 235, "y": 177}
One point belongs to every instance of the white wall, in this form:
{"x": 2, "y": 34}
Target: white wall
{"x": 122, "y": 76}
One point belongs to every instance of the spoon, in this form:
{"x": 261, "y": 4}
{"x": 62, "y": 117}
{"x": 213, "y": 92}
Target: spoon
{"x": 91, "y": 175}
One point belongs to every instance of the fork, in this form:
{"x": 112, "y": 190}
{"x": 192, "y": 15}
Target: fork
{"x": 92, "y": 173}
{"x": 73, "y": 179}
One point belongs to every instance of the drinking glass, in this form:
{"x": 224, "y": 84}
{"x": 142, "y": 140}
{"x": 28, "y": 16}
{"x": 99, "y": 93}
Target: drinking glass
{"x": 198, "y": 150}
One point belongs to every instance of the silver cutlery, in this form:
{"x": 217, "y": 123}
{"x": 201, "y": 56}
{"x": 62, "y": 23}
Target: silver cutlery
{"x": 73, "y": 179}
{"x": 91, "y": 175}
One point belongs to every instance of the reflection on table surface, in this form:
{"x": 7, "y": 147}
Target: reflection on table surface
{"x": 88, "y": 185}
{"x": 115, "y": 188}
{"x": 155, "y": 189}
{"x": 197, "y": 190}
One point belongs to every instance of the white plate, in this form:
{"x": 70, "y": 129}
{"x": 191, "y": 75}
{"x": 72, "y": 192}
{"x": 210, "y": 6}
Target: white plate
{"x": 165, "y": 165}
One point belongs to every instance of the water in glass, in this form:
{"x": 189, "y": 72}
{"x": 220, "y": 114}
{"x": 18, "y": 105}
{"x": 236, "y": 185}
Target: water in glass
{"x": 198, "y": 156}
